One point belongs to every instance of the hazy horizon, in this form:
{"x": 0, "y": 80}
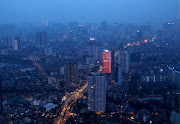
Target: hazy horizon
{"x": 65, "y": 11}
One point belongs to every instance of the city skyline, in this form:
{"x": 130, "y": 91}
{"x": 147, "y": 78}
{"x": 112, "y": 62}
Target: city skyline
{"x": 82, "y": 61}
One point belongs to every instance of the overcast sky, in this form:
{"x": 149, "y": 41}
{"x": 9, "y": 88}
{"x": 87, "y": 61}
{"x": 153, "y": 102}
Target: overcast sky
{"x": 122, "y": 11}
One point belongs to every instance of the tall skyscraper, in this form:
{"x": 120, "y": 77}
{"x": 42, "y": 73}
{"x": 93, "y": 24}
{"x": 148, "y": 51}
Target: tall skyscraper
{"x": 124, "y": 60}
{"x": 97, "y": 92}
{"x": 71, "y": 72}
{"x": 93, "y": 50}
{"x": 106, "y": 61}
{"x": 114, "y": 57}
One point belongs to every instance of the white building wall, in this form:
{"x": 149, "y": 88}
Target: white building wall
{"x": 96, "y": 92}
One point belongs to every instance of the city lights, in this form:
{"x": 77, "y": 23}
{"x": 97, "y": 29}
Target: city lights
{"x": 82, "y": 62}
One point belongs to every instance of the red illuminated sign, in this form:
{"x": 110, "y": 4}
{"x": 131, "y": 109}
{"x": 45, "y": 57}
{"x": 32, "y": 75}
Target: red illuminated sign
{"x": 106, "y": 62}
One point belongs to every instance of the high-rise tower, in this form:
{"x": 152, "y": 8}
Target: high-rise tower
{"x": 106, "y": 61}
{"x": 124, "y": 60}
{"x": 71, "y": 72}
{"x": 96, "y": 92}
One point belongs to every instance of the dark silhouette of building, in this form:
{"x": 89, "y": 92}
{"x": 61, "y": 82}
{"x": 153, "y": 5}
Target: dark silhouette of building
{"x": 139, "y": 35}
{"x": 118, "y": 75}
{"x": 104, "y": 25}
{"x": 71, "y": 72}
{"x": 41, "y": 38}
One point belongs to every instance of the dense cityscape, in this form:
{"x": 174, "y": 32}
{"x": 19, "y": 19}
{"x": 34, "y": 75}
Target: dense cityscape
{"x": 93, "y": 73}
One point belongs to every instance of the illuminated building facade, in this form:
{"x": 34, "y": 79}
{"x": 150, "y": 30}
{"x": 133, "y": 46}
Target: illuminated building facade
{"x": 106, "y": 61}
{"x": 96, "y": 92}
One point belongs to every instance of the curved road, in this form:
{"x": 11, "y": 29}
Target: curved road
{"x": 68, "y": 102}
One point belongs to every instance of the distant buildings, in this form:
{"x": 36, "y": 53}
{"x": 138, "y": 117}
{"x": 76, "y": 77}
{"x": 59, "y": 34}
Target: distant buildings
{"x": 48, "y": 51}
{"x": 71, "y": 72}
{"x": 153, "y": 77}
{"x": 106, "y": 61}
{"x": 50, "y": 80}
{"x": 96, "y": 92}
{"x": 17, "y": 43}
{"x": 41, "y": 38}
{"x": 7, "y": 42}
{"x": 62, "y": 70}
{"x": 104, "y": 25}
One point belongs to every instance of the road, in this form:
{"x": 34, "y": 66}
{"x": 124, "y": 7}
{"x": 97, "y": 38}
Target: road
{"x": 43, "y": 72}
{"x": 35, "y": 63}
{"x": 68, "y": 102}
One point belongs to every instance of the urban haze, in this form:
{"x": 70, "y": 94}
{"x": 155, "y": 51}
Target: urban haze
{"x": 89, "y": 62}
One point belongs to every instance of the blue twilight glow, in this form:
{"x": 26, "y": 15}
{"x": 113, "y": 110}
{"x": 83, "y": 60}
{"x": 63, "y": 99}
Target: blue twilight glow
{"x": 122, "y": 11}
